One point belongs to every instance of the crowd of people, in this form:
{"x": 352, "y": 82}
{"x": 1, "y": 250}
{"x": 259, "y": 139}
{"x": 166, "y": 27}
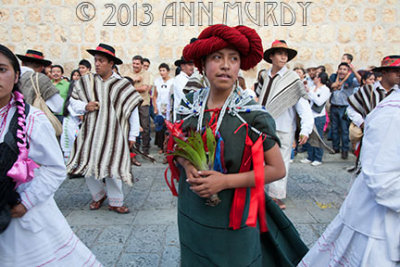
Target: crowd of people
{"x": 102, "y": 119}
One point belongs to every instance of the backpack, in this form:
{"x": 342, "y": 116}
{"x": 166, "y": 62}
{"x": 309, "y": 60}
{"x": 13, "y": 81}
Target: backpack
{"x": 41, "y": 104}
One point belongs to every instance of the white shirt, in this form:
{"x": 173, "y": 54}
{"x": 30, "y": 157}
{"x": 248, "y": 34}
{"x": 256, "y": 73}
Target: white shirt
{"x": 286, "y": 122}
{"x": 179, "y": 83}
{"x": 372, "y": 206}
{"x": 163, "y": 96}
{"x": 319, "y": 96}
{"x": 116, "y": 75}
{"x": 310, "y": 82}
{"x": 55, "y": 102}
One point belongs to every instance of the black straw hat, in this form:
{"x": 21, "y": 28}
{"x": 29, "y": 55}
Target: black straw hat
{"x": 106, "y": 50}
{"x": 181, "y": 61}
{"x": 34, "y": 56}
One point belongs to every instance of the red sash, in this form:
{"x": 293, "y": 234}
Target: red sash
{"x": 253, "y": 153}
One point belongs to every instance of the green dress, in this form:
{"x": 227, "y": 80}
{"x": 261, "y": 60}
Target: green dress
{"x": 205, "y": 236}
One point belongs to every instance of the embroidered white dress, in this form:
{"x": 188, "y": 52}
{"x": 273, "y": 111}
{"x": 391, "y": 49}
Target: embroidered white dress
{"x": 70, "y": 132}
{"x": 42, "y": 237}
{"x": 366, "y": 232}
{"x": 164, "y": 96}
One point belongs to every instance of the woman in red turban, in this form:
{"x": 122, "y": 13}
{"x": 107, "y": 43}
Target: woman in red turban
{"x": 228, "y": 234}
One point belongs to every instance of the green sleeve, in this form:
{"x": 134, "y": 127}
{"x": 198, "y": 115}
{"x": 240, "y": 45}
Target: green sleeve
{"x": 265, "y": 123}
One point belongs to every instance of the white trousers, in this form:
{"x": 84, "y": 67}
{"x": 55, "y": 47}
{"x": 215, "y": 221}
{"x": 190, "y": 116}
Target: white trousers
{"x": 112, "y": 188}
{"x": 277, "y": 189}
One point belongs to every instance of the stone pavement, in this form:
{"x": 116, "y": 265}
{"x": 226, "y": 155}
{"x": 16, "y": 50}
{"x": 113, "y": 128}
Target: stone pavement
{"x": 148, "y": 235}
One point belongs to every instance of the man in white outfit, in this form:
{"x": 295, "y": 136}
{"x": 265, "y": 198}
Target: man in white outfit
{"x": 283, "y": 94}
{"x": 101, "y": 150}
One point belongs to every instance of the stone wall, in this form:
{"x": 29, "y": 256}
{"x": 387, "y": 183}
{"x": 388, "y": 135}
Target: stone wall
{"x": 321, "y": 30}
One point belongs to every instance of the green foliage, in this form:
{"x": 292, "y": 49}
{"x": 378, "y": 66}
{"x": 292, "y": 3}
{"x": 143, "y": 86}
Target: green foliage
{"x": 193, "y": 149}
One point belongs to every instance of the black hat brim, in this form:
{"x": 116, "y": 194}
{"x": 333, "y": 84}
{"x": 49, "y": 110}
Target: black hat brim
{"x": 43, "y": 62}
{"x": 291, "y": 53}
{"x": 116, "y": 60}
{"x": 179, "y": 62}
{"x": 379, "y": 69}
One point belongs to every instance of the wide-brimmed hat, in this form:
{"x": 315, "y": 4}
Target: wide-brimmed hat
{"x": 107, "y": 50}
{"x": 34, "y": 56}
{"x": 182, "y": 61}
{"x": 279, "y": 44}
{"x": 389, "y": 62}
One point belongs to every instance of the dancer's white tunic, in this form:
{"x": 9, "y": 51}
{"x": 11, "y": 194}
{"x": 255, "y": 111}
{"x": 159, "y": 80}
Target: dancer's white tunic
{"x": 366, "y": 231}
{"x": 42, "y": 237}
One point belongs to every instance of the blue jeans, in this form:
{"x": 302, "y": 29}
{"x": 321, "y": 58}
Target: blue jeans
{"x": 340, "y": 128}
{"x": 316, "y": 153}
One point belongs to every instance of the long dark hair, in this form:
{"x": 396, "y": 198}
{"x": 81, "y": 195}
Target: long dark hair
{"x": 9, "y": 197}
{"x": 70, "y": 89}
{"x": 14, "y": 62}
{"x": 72, "y": 74}
{"x": 324, "y": 79}
{"x": 365, "y": 76}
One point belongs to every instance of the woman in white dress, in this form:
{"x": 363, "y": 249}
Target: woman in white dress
{"x": 71, "y": 122}
{"x": 366, "y": 232}
{"x": 33, "y": 231}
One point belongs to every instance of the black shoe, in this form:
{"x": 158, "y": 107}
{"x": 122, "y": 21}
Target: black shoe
{"x": 351, "y": 168}
{"x": 335, "y": 151}
{"x": 345, "y": 154}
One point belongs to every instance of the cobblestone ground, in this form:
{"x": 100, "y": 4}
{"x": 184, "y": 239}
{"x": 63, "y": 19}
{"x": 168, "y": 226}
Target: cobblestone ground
{"x": 148, "y": 235}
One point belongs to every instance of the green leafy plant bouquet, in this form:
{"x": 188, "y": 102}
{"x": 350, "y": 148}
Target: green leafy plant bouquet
{"x": 199, "y": 150}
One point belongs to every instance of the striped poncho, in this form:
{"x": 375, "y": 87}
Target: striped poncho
{"x": 101, "y": 148}
{"x": 367, "y": 97}
{"x": 284, "y": 92}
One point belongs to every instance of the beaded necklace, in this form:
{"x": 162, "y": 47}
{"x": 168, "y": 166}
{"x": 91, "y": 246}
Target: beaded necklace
{"x": 236, "y": 103}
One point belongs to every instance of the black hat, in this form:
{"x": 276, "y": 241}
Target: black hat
{"x": 106, "y": 50}
{"x": 34, "y": 56}
{"x": 181, "y": 61}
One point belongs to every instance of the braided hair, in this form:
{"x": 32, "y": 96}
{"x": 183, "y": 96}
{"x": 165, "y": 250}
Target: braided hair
{"x": 19, "y": 98}
{"x": 8, "y": 195}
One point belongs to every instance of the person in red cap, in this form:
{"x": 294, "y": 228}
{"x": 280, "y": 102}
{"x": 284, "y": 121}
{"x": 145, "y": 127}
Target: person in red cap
{"x": 362, "y": 102}
{"x": 282, "y": 93}
{"x": 366, "y": 232}
{"x": 101, "y": 149}
{"x": 228, "y": 233}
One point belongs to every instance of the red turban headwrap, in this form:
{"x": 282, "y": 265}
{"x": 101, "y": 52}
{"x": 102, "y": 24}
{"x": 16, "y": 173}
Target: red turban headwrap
{"x": 244, "y": 39}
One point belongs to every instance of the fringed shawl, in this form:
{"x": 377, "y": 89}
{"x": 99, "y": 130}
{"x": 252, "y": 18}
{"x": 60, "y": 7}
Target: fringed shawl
{"x": 285, "y": 92}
